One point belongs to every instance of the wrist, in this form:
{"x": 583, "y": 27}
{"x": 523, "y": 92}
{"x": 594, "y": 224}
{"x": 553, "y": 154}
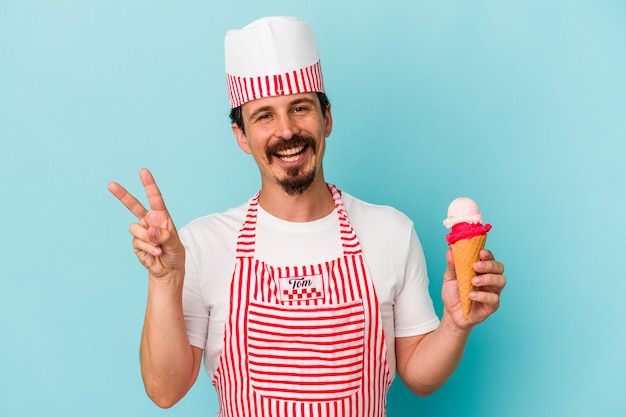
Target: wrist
{"x": 173, "y": 280}
{"x": 449, "y": 326}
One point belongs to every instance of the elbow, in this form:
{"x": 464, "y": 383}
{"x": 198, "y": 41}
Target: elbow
{"x": 164, "y": 397}
{"x": 163, "y": 401}
{"x": 163, "y": 404}
{"x": 423, "y": 391}
{"x": 420, "y": 388}
{"x": 166, "y": 390}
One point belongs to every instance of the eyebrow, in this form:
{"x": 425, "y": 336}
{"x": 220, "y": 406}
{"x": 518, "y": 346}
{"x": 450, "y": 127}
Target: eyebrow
{"x": 292, "y": 103}
{"x": 253, "y": 115}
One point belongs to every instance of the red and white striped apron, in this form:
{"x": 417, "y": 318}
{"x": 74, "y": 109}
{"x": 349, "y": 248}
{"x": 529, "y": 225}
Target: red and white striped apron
{"x": 302, "y": 340}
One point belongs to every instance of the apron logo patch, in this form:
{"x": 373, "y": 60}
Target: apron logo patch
{"x": 310, "y": 287}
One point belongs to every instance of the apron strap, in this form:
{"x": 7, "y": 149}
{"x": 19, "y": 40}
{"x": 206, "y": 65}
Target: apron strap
{"x": 349, "y": 241}
{"x": 247, "y": 234}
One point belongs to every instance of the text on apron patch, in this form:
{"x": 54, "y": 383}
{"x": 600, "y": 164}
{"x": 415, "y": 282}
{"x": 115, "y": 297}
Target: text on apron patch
{"x": 310, "y": 287}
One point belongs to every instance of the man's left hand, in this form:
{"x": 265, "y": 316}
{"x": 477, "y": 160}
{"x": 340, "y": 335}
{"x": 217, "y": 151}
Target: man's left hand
{"x": 489, "y": 283}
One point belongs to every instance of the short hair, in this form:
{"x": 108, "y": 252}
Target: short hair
{"x": 237, "y": 117}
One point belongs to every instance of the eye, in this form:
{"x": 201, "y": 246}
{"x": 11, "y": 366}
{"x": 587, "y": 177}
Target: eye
{"x": 300, "y": 109}
{"x": 263, "y": 116}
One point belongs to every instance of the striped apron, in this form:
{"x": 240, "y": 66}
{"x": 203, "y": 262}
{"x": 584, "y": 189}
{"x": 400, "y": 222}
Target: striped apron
{"x": 302, "y": 340}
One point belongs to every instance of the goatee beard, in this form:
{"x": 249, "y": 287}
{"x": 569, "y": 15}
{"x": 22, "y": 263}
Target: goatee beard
{"x": 296, "y": 182}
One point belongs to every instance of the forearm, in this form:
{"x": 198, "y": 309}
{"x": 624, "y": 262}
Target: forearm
{"x": 430, "y": 363}
{"x": 166, "y": 356}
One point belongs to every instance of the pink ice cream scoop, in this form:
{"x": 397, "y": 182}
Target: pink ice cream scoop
{"x": 465, "y": 219}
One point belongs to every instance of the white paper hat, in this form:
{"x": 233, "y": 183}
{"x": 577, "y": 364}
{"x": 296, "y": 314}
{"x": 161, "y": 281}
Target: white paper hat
{"x": 273, "y": 56}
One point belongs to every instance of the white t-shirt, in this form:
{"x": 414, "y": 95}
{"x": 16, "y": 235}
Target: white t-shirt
{"x": 390, "y": 247}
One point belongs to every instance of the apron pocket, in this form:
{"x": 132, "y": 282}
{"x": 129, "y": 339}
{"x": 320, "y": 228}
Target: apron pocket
{"x": 306, "y": 354}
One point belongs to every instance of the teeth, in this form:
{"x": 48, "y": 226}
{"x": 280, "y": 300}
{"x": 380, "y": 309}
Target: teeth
{"x": 291, "y": 151}
{"x": 290, "y": 155}
{"x": 289, "y": 158}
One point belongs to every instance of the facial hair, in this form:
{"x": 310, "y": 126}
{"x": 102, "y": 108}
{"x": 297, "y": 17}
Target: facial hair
{"x": 296, "y": 181}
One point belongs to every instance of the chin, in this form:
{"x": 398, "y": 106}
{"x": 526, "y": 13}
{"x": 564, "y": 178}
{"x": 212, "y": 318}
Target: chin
{"x": 296, "y": 185}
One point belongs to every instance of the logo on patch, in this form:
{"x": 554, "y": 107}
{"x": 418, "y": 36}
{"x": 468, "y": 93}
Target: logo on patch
{"x": 304, "y": 288}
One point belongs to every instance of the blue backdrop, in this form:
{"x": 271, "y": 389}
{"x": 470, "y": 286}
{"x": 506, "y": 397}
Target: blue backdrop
{"x": 519, "y": 104}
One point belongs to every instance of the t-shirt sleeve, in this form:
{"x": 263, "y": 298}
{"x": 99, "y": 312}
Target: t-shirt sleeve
{"x": 414, "y": 313}
{"x": 195, "y": 313}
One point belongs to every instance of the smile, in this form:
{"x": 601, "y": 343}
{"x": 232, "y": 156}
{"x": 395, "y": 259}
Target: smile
{"x": 291, "y": 154}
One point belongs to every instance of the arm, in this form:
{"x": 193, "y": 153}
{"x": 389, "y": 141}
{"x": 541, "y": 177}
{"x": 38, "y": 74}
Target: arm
{"x": 425, "y": 362}
{"x": 169, "y": 364}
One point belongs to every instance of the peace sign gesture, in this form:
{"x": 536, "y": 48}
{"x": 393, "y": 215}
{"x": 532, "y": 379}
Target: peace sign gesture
{"x": 155, "y": 239}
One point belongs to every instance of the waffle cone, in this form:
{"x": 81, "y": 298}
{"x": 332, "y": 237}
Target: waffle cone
{"x": 466, "y": 253}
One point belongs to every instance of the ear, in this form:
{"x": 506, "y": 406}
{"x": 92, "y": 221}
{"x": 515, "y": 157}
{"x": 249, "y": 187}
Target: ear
{"x": 242, "y": 141}
{"x": 328, "y": 121}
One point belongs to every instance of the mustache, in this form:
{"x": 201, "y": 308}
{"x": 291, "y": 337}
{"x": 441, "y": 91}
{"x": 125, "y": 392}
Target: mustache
{"x": 294, "y": 142}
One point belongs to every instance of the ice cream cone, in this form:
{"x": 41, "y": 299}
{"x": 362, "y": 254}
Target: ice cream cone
{"x": 466, "y": 253}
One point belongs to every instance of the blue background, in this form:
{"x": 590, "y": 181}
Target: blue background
{"x": 518, "y": 104}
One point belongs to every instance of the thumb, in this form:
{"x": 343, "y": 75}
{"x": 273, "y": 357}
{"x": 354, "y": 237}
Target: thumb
{"x": 154, "y": 234}
{"x": 165, "y": 239}
{"x": 450, "y": 273}
{"x": 159, "y": 236}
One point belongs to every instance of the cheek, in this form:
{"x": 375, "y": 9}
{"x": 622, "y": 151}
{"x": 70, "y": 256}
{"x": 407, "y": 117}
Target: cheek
{"x": 321, "y": 147}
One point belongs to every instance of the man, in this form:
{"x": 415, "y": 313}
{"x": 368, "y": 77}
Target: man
{"x": 305, "y": 300}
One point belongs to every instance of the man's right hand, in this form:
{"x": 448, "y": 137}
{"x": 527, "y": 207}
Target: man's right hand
{"x": 155, "y": 241}
{"x": 169, "y": 364}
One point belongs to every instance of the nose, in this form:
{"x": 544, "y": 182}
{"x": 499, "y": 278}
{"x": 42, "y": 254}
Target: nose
{"x": 286, "y": 127}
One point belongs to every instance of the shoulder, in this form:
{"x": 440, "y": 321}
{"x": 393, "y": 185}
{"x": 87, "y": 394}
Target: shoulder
{"x": 382, "y": 230}
{"x": 214, "y": 227}
{"x": 379, "y": 217}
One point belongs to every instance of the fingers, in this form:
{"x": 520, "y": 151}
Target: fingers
{"x": 147, "y": 247}
{"x": 489, "y": 267}
{"x": 148, "y": 238}
{"x": 487, "y": 298}
{"x": 155, "y": 199}
{"x": 489, "y": 282}
{"x": 128, "y": 200}
{"x": 488, "y": 264}
{"x": 486, "y": 255}
{"x": 151, "y": 234}
{"x": 489, "y": 278}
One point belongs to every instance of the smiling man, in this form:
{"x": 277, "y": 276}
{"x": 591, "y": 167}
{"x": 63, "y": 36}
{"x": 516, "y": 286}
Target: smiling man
{"x": 286, "y": 135}
{"x": 304, "y": 301}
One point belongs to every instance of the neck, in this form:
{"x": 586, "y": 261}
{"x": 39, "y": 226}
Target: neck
{"x": 314, "y": 203}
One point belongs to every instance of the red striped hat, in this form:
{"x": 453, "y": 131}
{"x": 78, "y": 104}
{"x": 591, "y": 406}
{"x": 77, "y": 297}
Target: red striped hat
{"x": 273, "y": 56}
